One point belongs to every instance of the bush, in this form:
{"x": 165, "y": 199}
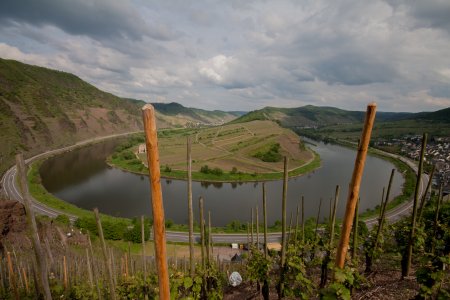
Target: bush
{"x": 127, "y": 155}
{"x": 234, "y": 171}
{"x": 205, "y": 169}
{"x": 63, "y": 219}
{"x": 134, "y": 234}
{"x": 167, "y": 169}
{"x": 272, "y": 155}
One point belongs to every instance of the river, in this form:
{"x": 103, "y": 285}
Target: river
{"x": 82, "y": 177}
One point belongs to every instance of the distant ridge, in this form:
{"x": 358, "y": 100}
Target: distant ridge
{"x": 310, "y": 115}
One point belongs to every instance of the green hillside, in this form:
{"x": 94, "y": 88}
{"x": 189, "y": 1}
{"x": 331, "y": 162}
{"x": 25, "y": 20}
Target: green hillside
{"x": 41, "y": 109}
{"x": 310, "y": 115}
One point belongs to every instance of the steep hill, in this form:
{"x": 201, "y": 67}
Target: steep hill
{"x": 42, "y": 108}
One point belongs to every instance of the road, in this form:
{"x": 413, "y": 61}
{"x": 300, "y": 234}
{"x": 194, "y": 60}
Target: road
{"x": 11, "y": 191}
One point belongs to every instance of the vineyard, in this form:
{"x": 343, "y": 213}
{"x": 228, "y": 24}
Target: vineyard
{"x": 336, "y": 259}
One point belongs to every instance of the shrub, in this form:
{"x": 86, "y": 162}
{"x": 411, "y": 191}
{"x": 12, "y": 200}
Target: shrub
{"x": 63, "y": 219}
{"x": 205, "y": 169}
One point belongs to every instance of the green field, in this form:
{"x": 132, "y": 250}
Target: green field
{"x": 236, "y": 152}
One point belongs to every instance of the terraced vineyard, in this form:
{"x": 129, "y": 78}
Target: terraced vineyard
{"x": 253, "y": 147}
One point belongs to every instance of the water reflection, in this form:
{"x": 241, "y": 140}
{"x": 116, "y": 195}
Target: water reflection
{"x": 81, "y": 177}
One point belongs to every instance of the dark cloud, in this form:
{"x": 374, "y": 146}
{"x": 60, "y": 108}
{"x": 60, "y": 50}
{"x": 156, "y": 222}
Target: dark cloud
{"x": 100, "y": 19}
{"x": 354, "y": 69}
{"x": 428, "y": 14}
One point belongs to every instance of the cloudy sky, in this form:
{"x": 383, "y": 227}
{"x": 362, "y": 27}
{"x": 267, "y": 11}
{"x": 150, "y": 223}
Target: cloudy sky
{"x": 242, "y": 55}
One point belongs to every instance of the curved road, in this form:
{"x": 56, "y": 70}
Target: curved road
{"x": 11, "y": 191}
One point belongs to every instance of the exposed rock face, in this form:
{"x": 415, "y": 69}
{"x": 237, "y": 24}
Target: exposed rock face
{"x": 12, "y": 219}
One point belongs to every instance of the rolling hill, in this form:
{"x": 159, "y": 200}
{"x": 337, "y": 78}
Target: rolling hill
{"x": 310, "y": 115}
{"x": 42, "y": 109}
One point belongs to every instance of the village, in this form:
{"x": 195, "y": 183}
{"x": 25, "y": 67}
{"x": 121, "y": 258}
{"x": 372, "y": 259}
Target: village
{"x": 437, "y": 154}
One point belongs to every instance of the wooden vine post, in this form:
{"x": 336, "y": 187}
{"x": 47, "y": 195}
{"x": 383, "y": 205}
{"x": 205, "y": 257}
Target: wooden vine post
{"x": 41, "y": 261}
{"x": 283, "y": 227}
{"x": 202, "y": 231}
{"x": 265, "y": 219}
{"x": 355, "y": 182}
{"x": 151, "y": 140}
{"x": 106, "y": 257}
{"x": 412, "y": 232}
{"x": 190, "y": 209}
{"x": 333, "y": 216}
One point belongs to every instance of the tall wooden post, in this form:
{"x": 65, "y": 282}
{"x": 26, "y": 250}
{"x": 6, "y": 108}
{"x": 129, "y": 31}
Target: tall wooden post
{"x": 251, "y": 230}
{"x": 144, "y": 265}
{"x": 383, "y": 212}
{"x": 412, "y": 232}
{"x": 190, "y": 210}
{"x": 202, "y": 230}
{"x": 303, "y": 220}
{"x": 265, "y": 219}
{"x": 106, "y": 257}
{"x": 355, "y": 233}
{"x": 355, "y": 182}
{"x": 209, "y": 238}
{"x": 157, "y": 201}
{"x": 257, "y": 227}
{"x": 333, "y": 216}
{"x": 283, "y": 227}
{"x": 41, "y": 262}
{"x": 12, "y": 276}
{"x": 424, "y": 196}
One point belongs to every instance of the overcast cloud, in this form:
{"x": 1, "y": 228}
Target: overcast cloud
{"x": 242, "y": 55}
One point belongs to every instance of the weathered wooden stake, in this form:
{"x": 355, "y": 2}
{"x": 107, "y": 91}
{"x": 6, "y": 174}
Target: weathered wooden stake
{"x": 210, "y": 251}
{"x": 353, "y": 193}
{"x": 202, "y": 231}
{"x": 190, "y": 210}
{"x": 265, "y": 219}
{"x": 251, "y": 230}
{"x": 257, "y": 227}
{"x": 409, "y": 250}
{"x": 290, "y": 228}
{"x": 31, "y": 223}
{"x": 317, "y": 220}
{"x": 424, "y": 196}
{"x": 106, "y": 257}
{"x": 88, "y": 262}
{"x": 94, "y": 269}
{"x": 296, "y": 224}
{"x": 436, "y": 219}
{"x": 303, "y": 220}
{"x": 27, "y": 288}
{"x": 283, "y": 227}
{"x": 12, "y": 276}
{"x": 143, "y": 248}
{"x": 355, "y": 232}
{"x": 381, "y": 204}
{"x": 157, "y": 202}
{"x": 333, "y": 216}
{"x": 65, "y": 273}
{"x": 383, "y": 212}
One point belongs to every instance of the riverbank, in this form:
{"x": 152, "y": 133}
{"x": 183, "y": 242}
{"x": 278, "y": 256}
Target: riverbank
{"x": 406, "y": 170}
{"x": 171, "y": 226}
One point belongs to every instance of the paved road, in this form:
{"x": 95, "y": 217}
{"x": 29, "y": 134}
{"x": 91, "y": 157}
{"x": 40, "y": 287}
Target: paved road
{"x": 10, "y": 189}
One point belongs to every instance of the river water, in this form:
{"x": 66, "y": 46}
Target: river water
{"x": 83, "y": 178}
